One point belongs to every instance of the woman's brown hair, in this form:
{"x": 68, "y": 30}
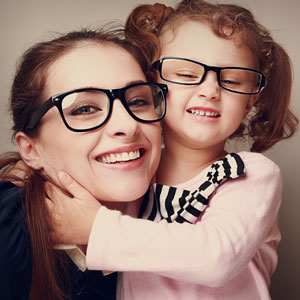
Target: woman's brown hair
{"x": 271, "y": 119}
{"x": 27, "y": 93}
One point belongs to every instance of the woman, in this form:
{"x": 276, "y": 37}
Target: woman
{"x": 103, "y": 131}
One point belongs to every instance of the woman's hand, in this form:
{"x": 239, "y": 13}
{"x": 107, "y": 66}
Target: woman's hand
{"x": 72, "y": 215}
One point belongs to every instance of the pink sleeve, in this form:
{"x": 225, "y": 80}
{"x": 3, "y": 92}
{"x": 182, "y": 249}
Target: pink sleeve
{"x": 240, "y": 219}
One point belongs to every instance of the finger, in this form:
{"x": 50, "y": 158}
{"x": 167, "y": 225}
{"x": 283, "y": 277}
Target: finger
{"x": 19, "y": 170}
{"x": 55, "y": 192}
{"x": 57, "y": 237}
{"x": 55, "y": 210}
{"x": 73, "y": 187}
{"x": 55, "y": 202}
{"x": 21, "y": 165}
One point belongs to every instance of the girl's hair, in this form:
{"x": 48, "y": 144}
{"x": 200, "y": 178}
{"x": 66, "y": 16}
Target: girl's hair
{"x": 272, "y": 120}
{"x": 27, "y": 92}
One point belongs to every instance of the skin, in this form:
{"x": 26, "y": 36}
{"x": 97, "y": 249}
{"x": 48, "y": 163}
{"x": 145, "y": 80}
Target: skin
{"x": 196, "y": 141}
{"x": 80, "y": 154}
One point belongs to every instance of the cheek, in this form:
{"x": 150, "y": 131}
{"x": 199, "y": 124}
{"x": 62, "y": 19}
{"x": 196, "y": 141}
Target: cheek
{"x": 155, "y": 140}
{"x": 236, "y": 106}
{"x": 178, "y": 95}
{"x": 59, "y": 150}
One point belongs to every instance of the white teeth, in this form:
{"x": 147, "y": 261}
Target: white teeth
{"x": 119, "y": 157}
{"x": 203, "y": 113}
{"x": 125, "y": 156}
{"x": 131, "y": 155}
{"x": 112, "y": 158}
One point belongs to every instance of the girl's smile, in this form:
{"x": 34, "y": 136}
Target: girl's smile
{"x": 203, "y": 115}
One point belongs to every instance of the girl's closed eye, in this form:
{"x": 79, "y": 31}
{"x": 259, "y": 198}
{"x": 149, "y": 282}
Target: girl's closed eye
{"x": 186, "y": 75}
{"x": 229, "y": 81}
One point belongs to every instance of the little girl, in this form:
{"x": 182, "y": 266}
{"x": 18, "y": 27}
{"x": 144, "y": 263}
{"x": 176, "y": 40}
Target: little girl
{"x": 216, "y": 233}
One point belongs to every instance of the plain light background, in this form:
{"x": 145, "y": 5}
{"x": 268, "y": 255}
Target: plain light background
{"x": 24, "y": 22}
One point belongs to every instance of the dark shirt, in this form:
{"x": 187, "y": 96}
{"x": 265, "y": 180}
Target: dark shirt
{"x": 16, "y": 256}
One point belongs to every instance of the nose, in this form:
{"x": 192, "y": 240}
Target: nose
{"x": 209, "y": 88}
{"x": 120, "y": 123}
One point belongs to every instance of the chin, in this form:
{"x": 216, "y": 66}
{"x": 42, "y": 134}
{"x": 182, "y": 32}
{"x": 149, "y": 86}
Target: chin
{"x": 128, "y": 194}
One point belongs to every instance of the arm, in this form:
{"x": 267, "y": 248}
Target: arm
{"x": 233, "y": 228}
{"x": 15, "y": 249}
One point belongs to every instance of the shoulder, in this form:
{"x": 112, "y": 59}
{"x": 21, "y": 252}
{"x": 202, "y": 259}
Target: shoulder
{"x": 13, "y": 225}
{"x": 15, "y": 250}
{"x": 256, "y": 195}
{"x": 11, "y": 204}
{"x": 14, "y": 235}
{"x": 260, "y": 186}
{"x": 8, "y": 191}
{"x": 259, "y": 165}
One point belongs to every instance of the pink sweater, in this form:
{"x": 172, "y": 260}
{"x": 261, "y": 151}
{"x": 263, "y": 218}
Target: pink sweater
{"x": 229, "y": 254}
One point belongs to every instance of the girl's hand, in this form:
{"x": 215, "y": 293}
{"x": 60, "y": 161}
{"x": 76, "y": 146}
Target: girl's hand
{"x": 73, "y": 214}
{"x": 19, "y": 171}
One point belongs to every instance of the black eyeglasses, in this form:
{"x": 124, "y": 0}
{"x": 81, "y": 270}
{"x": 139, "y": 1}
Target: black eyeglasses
{"x": 189, "y": 72}
{"x": 87, "y": 109}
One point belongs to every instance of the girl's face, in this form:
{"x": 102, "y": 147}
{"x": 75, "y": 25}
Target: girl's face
{"x": 204, "y": 116}
{"x": 80, "y": 154}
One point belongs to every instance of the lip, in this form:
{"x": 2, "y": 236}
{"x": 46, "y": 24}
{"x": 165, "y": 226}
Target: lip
{"x": 134, "y": 158}
{"x": 204, "y": 113}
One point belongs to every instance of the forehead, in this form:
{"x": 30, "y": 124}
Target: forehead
{"x": 196, "y": 40}
{"x": 102, "y": 66}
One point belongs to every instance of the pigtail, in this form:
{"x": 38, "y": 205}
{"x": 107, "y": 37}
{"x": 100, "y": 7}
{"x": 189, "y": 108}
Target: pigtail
{"x": 143, "y": 27}
{"x": 274, "y": 120}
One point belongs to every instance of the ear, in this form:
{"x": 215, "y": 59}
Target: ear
{"x": 252, "y": 99}
{"x": 27, "y": 150}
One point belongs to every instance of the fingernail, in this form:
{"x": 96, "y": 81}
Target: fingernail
{"x": 62, "y": 176}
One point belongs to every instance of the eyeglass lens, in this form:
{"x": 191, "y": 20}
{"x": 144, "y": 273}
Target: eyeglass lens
{"x": 88, "y": 109}
{"x": 187, "y": 72}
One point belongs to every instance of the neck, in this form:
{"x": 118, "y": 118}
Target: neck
{"x": 126, "y": 208}
{"x": 180, "y": 163}
{"x": 120, "y": 206}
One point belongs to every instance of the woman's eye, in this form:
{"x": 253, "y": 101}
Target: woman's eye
{"x": 84, "y": 110}
{"x": 135, "y": 103}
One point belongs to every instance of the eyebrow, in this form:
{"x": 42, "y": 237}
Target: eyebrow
{"x": 127, "y": 84}
{"x": 134, "y": 82}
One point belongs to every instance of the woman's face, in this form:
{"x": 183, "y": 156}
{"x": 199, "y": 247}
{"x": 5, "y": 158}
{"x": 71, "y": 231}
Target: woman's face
{"x": 81, "y": 154}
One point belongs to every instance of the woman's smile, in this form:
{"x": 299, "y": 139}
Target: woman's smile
{"x": 123, "y": 151}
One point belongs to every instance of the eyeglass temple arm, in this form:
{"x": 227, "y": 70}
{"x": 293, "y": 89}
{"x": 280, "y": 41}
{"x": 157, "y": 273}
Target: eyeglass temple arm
{"x": 156, "y": 65}
{"x": 39, "y": 113}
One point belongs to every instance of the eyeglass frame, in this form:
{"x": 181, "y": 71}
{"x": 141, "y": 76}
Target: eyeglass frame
{"x": 157, "y": 65}
{"x": 112, "y": 94}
